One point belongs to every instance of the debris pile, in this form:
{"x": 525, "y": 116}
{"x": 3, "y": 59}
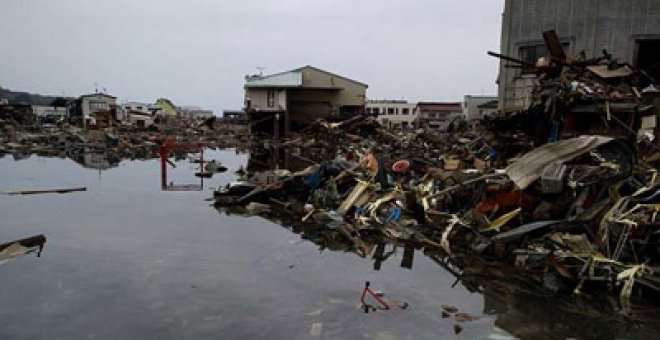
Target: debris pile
{"x": 115, "y": 143}
{"x": 575, "y": 212}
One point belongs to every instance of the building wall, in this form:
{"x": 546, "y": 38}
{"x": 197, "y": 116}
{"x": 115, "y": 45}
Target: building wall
{"x": 585, "y": 25}
{"x": 140, "y": 120}
{"x": 135, "y": 106}
{"x": 392, "y": 114}
{"x": 438, "y": 115}
{"x": 95, "y": 103}
{"x": 259, "y": 99}
{"x": 194, "y": 112}
{"x": 471, "y": 110}
{"x": 166, "y": 106}
{"x": 352, "y": 93}
{"x": 49, "y": 111}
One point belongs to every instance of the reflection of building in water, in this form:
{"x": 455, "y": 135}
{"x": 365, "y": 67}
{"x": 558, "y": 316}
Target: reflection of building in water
{"x": 96, "y": 160}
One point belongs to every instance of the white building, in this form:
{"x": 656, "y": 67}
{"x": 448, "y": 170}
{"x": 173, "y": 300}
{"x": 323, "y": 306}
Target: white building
{"x": 474, "y": 108}
{"x": 393, "y": 114}
{"x": 44, "y": 112}
{"x": 194, "y": 112}
{"x": 97, "y": 108}
{"x": 137, "y": 107}
{"x": 140, "y": 114}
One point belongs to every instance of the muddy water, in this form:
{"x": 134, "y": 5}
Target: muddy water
{"x": 125, "y": 260}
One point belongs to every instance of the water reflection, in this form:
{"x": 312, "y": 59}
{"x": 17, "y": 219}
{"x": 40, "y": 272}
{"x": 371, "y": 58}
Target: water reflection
{"x": 519, "y": 307}
{"x": 160, "y": 245}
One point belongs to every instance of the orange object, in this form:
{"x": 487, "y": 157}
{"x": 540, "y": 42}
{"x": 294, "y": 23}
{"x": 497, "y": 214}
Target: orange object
{"x": 504, "y": 201}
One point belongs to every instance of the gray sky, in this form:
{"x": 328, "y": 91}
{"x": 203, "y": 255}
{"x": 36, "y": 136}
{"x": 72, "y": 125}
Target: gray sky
{"x": 197, "y": 52}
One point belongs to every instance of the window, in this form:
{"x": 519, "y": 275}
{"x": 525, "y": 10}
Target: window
{"x": 368, "y": 110}
{"x": 139, "y": 108}
{"x": 390, "y": 110}
{"x": 405, "y": 110}
{"x": 375, "y": 110}
{"x": 98, "y": 106}
{"x": 271, "y": 98}
{"x": 531, "y": 54}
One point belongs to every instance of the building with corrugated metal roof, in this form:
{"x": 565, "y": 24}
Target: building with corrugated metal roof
{"x": 277, "y": 103}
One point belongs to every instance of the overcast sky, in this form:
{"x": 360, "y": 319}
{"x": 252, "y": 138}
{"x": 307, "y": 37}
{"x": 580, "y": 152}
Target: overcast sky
{"x": 198, "y": 52}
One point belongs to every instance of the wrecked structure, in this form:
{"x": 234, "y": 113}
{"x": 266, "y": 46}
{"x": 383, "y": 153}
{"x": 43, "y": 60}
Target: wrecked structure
{"x": 282, "y": 102}
{"x": 629, "y": 29}
{"x": 564, "y": 195}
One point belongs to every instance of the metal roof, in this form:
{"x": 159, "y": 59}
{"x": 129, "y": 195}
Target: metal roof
{"x": 285, "y": 79}
{"x": 292, "y": 78}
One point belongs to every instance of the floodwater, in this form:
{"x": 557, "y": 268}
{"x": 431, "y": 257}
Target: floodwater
{"x": 126, "y": 260}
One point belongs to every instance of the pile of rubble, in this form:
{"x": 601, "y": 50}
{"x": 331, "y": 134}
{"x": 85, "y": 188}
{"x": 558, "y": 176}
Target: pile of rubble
{"x": 119, "y": 142}
{"x": 575, "y": 211}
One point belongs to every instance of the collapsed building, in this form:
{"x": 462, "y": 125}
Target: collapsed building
{"x": 629, "y": 29}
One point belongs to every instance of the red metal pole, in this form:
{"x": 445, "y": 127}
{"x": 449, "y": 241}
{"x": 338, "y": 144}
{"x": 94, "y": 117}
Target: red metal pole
{"x": 163, "y": 167}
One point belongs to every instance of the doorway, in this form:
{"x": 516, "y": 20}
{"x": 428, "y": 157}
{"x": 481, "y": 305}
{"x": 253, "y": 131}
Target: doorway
{"x": 648, "y": 57}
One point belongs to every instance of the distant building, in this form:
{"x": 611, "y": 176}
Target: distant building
{"x": 137, "y": 113}
{"x": 165, "y": 107}
{"x": 194, "y": 112}
{"x": 137, "y": 107}
{"x": 142, "y": 120}
{"x": 438, "y": 115}
{"x": 628, "y": 29}
{"x": 235, "y": 115}
{"x": 21, "y": 113}
{"x": 43, "y": 113}
{"x": 97, "y": 109}
{"x": 393, "y": 114}
{"x": 473, "y": 108}
{"x": 298, "y": 97}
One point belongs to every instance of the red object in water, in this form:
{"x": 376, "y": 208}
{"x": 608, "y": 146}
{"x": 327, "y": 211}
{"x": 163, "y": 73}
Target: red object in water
{"x": 400, "y": 166}
{"x": 366, "y": 290}
{"x": 166, "y": 147}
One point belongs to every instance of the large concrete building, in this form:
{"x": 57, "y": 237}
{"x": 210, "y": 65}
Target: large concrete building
{"x": 628, "y": 29}
{"x": 393, "y": 114}
{"x": 299, "y": 97}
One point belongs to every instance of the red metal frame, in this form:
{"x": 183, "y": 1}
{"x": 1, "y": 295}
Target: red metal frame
{"x": 165, "y": 149}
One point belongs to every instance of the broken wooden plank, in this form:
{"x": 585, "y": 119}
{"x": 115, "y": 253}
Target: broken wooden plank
{"x": 45, "y": 191}
{"x": 28, "y": 242}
